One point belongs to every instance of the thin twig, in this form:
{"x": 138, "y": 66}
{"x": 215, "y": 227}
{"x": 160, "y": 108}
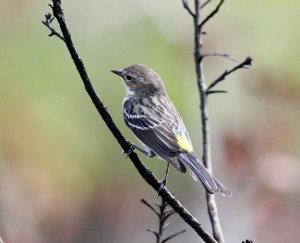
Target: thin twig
{"x": 227, "y": 56}
{"x": 149, "y": 206}
{"x": 163, "y": 214}
{"x": 187, "y": 7}
{"x": 206, "y": 144}
{"x": 48, "y": 23}
{"x": 245, "y": 64}
{"x": 144, "y": 171}
{"x": 173, "y": 236}
{"x": 204, "y": 92}
{"x": 216, "y": 92}
{"x": 154, "y": 233}
{"x": 204, "y": 4}
{"x": 212, "y": 14}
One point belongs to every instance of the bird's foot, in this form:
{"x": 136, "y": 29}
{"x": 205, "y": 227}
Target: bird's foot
{"x": 164, "y": 181}
{"x": 126, "y": 154}
{"x": 133, "y": 147}
{"x": 162, "y": 184}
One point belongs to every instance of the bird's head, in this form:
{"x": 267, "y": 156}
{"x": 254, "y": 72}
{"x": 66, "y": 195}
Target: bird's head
{"x": 141, "y": 80}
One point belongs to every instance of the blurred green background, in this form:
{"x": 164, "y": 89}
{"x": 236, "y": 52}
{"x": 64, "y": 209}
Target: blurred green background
{"x": 62, "y": 175}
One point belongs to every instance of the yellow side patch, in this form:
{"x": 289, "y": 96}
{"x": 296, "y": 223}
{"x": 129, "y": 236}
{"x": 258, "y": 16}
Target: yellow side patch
{"x": 184, "y": 143}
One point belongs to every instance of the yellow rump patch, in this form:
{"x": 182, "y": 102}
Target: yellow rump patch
{"x": 184, "y": 143}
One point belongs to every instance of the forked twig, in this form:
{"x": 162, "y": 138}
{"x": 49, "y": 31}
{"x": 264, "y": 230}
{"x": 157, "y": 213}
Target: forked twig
{"x": 48, "y": 23}
{"x": 204, "y": 91}
{"x": 163, "y": 214}
{"x": 212, "y": 14}
{"x": 245, "y": 64}
{"x": 187, "y": 7}
{"x": 204, "y": 4}
{"x": 206, "y": 145}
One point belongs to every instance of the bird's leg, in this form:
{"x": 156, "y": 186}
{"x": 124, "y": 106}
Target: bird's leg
{"x": 149, "y": 154}
{"x": 164, "y": 181}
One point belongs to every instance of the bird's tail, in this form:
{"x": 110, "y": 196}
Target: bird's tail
{"x": 199, "y": 172}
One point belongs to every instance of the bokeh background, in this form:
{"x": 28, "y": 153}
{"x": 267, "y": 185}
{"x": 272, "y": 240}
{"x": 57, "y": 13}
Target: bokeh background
{"x": 62, "y": 175}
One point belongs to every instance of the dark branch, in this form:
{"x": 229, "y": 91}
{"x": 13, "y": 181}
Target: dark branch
{"x": 163, "y": 214}
{"x": 149, "y": 206}
{"x": 212, "y": 14}
{"x": 204, "y": 4}
{"x": 154, "y": 233}
{"x": 144, "y": 172}
{"x": 48, "y": 23}
{"x": 244, "y": 64}
{"x": 187, "y": 7}
{"x": 173, "y": 236}
{"x": 169, "y": 213}
{"x": 215, "y": 92}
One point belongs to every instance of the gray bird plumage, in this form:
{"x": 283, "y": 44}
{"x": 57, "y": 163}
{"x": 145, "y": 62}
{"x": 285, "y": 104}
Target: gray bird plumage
{"x": 153, "y": 118}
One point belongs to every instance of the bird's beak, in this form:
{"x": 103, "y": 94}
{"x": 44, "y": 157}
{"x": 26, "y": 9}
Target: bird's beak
{"x": 118, "y": 72}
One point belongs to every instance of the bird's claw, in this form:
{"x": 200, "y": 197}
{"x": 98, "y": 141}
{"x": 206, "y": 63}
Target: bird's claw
{"x": 162, "y": 185}
{"x": 132, "y": 148}
{"x": 149, "y": 154}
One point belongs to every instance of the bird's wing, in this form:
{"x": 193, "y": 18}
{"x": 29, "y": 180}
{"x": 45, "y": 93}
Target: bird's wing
{"x": 153, "y": 133}
{"x": 157, "y": 134}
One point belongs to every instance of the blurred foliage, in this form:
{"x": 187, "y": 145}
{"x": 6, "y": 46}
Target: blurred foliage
{"x": 62, "y": 175}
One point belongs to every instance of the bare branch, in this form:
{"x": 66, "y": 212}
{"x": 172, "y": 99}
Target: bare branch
{"x": 155, "y": 233}
{"x": 149, "y": 206}
{"x": 206, "y": 145}
{"x": 102, "y": 110}
{"x": 204, "y": 4}
{"x": 216, "y": 92}
{"x": 212, "y": 14}
{"x": 227, "y": 56}
{"x": 244, "y": 64}
{"x": 48, "y": 23}
{"x": 187, "y": 7}
{"x": 163, "y": 215}
{"x": 214, "y": 218}
{"x": 173, "y": 235}
{"x": 170, "y": 212}
{"x": 204, "y": 92}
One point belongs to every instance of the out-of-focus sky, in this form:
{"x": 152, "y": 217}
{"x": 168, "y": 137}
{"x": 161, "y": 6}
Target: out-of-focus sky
{"x": 62, "y": 175}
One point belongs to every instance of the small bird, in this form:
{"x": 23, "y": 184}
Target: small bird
{"x": 154, "y": 120}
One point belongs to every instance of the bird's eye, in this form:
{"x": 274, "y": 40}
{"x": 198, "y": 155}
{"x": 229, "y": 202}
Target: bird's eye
{"x": 128, "y": 77}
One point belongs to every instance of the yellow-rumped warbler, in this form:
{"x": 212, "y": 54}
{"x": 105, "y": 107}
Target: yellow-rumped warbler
{"x": 152, "y": 117}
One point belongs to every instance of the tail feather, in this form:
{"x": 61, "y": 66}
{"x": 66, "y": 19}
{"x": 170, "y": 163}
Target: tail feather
{"x": 198, "y": 171}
